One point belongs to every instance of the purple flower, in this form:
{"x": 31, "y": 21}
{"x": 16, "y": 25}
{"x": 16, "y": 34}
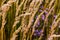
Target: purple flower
{"x": 54, "y": 16}
{"x": 36, "y": 31}
{"x": 41, "y": 31}
{"x": 43, "y": 17}
{"x": 38, "y": 34}
{"x": 40, "y": 10}
{"x": 47, "y": 9}
{"x": 46, "y": 12}
{"x": 38, "y": 23}
{"x": 42, "y": 6}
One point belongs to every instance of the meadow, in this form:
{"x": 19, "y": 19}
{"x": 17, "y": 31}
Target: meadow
{"x": 29, "y": 19}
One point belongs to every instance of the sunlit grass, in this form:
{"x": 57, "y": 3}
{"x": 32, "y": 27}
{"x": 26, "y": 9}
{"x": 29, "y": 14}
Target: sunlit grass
{"x": 29, "y": 19}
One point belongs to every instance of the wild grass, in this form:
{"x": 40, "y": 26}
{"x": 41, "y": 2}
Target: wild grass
{"x": 29, "y": 19}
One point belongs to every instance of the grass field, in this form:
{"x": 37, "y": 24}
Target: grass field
{"x": 29, "y": 19}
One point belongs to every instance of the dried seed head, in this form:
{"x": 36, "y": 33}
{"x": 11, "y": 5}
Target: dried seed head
{"x": 5, "y": 7}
